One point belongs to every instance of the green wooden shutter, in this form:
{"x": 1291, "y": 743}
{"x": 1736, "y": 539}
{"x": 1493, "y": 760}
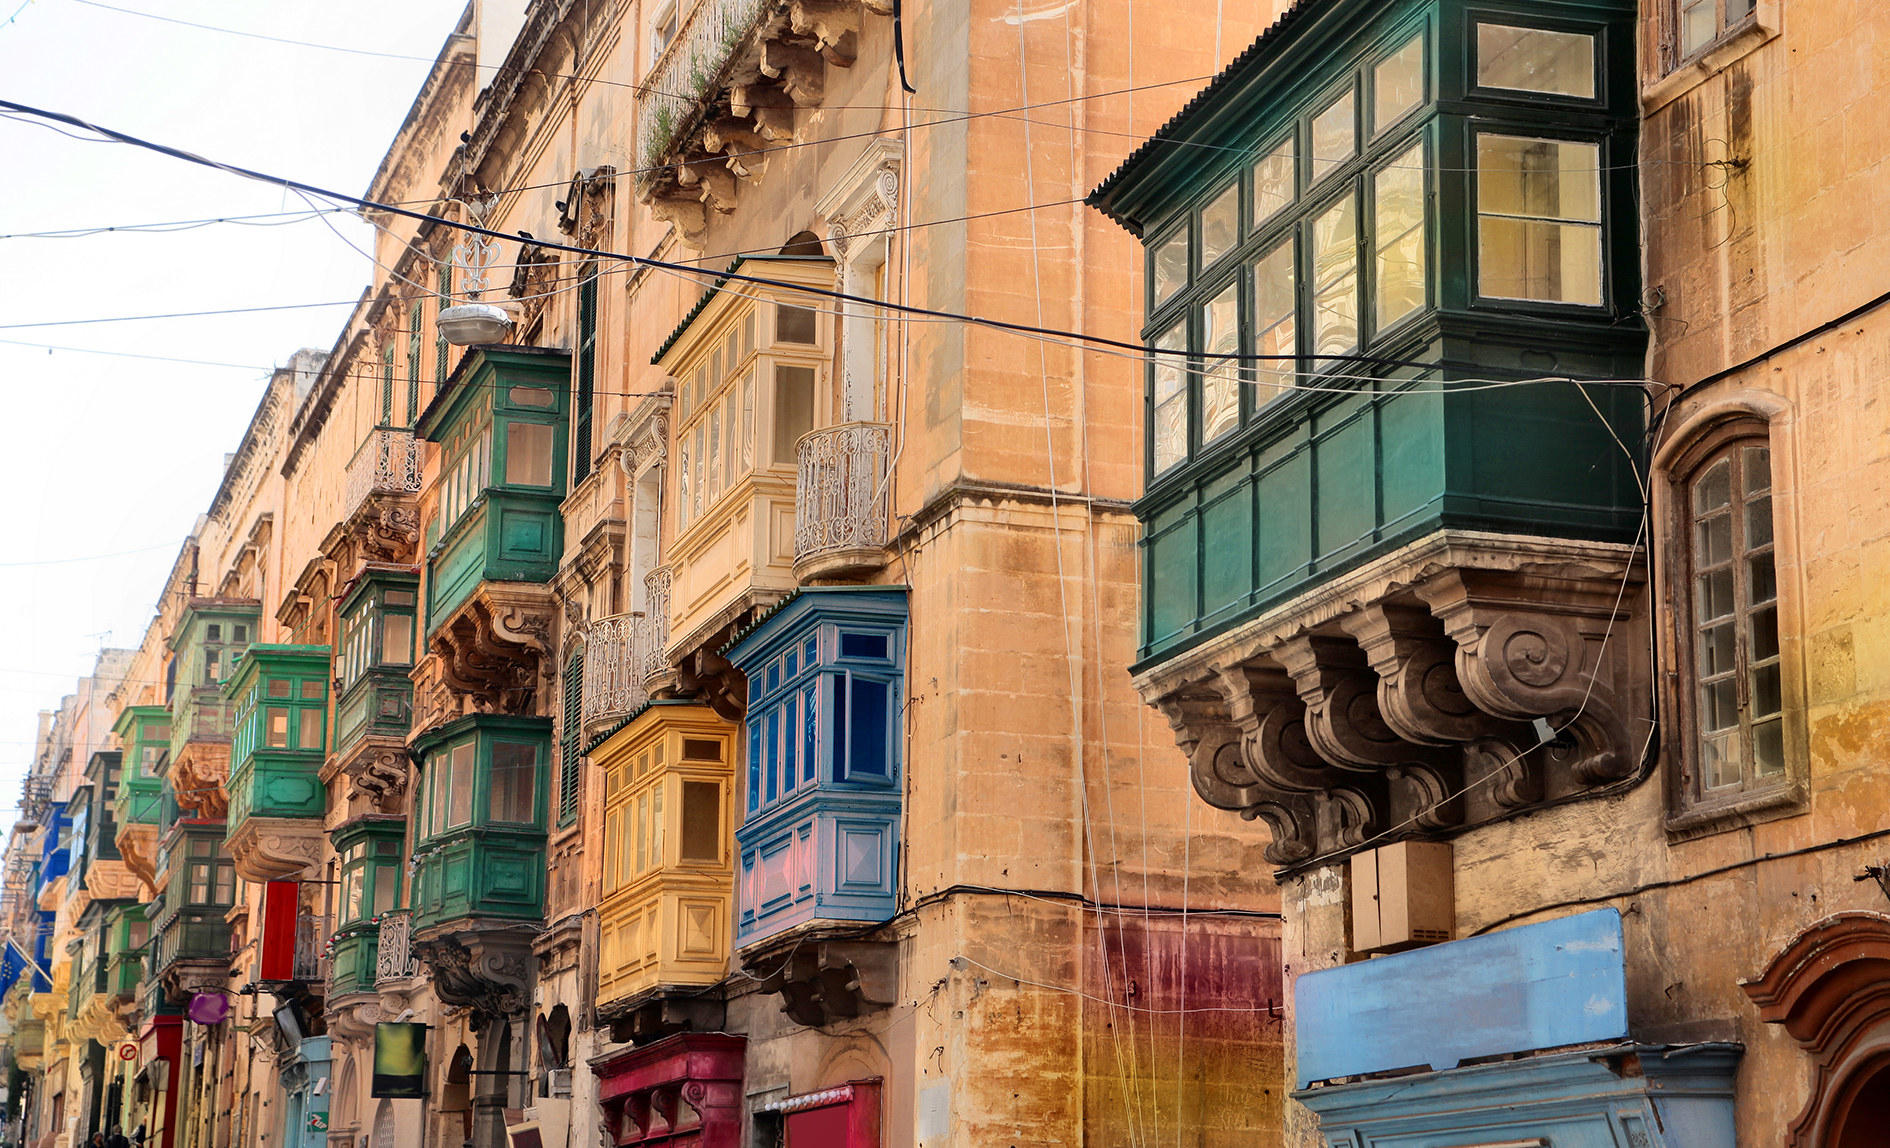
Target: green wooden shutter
{"x": 586, "y": 374}
{"x": 444, "y": 301}
{"x": 414, "y": 320}
{"x": 571, "y": 744}
{"x": 387, "y": 384}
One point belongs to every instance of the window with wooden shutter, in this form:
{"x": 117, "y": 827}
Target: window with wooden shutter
{"x": 571, "y": 744}
{"x": 584, "y": 379}
{"x": 414, "y": 319}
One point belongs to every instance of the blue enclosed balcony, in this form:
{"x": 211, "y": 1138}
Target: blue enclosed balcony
{"x": 819, "y": 842}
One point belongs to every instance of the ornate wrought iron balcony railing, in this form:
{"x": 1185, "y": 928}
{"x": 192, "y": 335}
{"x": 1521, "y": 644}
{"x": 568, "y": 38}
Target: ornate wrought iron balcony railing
{"x": 840, "y": 503}
{"x": 387, "y": 462}
{"x": 688, "y": 68}
{"x": 615, "y": 659}
{"x": 656, "y": 620}
{"x": 394, "y": 959}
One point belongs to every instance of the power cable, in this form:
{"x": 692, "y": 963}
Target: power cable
{"x": 683, "y": 268}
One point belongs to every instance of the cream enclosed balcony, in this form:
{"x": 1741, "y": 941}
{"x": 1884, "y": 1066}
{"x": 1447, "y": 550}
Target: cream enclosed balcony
{"x": 840, "y": 500}
{"x": 616, "y": 661}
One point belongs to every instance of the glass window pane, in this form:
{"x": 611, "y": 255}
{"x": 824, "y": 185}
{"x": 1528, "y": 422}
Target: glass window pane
{"x": 397, "y": 639}
{"x": 793, "y": 409}
{"x": 1536, "y": 60}
{"x": 794, "y": 324}
{"x": 528, "y": 454}
{"x": 312, "y": 690}
{"x": 277, "y": 724}
{"x": 1712, "y": 540}
{"x": 398, "y": 598}
{"x": 1398, "y": 200}
{"x": 1713, "y": 489}
{"x": 872, "y": 703}
{"x": 1334, "y": 136}
{"x": 1274, "y": 186}
{"x": 702, "y": 821}
{"x": 1768, "y": 748}
{"x": 1170, "y": 265}
{"x": 278, "y": 688}
{"x": 531, "y": 397}
{"x": 1220, "y": 380}
{"x": 514, "y": 782}
{"x": 1398, "y": 85}
{"x": 351, "y": 894}
{"x": 1170, "y": 422}
{"x": 1220, "y": 225}
{"x": 1335, "y": 279}
{"x": 308, "y": 733}
{"x": 459, "y": 783}
{"x": 386, "y": 888}
{"x": 1539, "y": 234}
{"x": 657, "y": 825}
{"x": 1698, "y": 25}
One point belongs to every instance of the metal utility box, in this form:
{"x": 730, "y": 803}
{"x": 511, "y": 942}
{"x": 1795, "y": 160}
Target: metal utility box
{"x": 1403, "y": 896}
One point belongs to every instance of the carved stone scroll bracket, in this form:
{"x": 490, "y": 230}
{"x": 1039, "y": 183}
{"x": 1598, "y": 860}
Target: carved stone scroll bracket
{"x": 1558, "y": 648}
{"x": 273, "y": 848}
{"x": 722, "y": 687}
{"x": 486, "y": 971}
{"x": 1419, "y": 695}
{"x": 1343, "y": 720}
{"x": 495, "y": 650}
{"x": 834, "y": 980}
{"x": 834, "y": 26}
{"x": 378, "y": 773}
{"x": 1266, "y": 707}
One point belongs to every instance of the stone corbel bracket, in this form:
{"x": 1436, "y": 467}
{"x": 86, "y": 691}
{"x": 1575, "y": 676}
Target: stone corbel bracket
{"x": 835, "y": 980}
{"x": 496, "y": 650}
{"x": 275, "y": 848}
{"x": 488, "y": 972}
{"x": 1410, "y": 698}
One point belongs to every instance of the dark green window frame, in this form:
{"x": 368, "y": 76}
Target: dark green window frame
{"x": 415, "y": 318}
{"x": 571, "y": 739}
{"x": 584, "y": 374}
{"x": 485, "y": 777}
{"x": 281, "y": 711}
{"x": 370, "y": 873}
{"x": 379, "y": 631}
{"x": 387, "y": 382}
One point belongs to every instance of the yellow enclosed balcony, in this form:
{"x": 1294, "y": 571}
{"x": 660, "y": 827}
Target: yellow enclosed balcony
{"x": 669, "y": 878}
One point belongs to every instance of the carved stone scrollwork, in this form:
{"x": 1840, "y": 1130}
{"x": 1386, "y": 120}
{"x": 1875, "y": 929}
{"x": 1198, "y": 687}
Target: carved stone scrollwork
{"x": 1417, "y": 702}
{"x": 272, "y": 848}
{"x": 391, "y": 533}
{"x": 834, "y": 980}
{"x": 378, "y": 772}
{"x": 495, "y": 650}
{"x": 489, "y": 973}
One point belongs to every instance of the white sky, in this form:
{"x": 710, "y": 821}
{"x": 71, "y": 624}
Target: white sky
{"x": 105, "y": 455}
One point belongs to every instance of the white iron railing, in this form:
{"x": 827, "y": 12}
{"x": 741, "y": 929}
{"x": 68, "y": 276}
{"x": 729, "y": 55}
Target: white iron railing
{"x": 682, "y": 75}
{"x": 393, "y": 961}
{"x": 614, "y": 666}
{"x": 387, "y": 463}
{"x": 840, "y": 503}
{"x": 655, "y": 620}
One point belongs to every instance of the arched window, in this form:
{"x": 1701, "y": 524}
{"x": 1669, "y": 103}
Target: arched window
{"x": 1731, "y": 692}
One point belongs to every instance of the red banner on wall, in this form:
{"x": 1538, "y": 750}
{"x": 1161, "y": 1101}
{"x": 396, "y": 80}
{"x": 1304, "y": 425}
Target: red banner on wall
{"x": 282, "y": 903}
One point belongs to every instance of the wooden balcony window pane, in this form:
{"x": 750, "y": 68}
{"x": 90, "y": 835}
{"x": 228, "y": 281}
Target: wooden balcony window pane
{"x": 459, "y": 782}
{"x": 793, "y": 409}
{"x": 351, "y": 894}
{"x": 386, "y": 888}
{"x": 642, "y": 818}
{"x": 528, "y": 454}
{"x": 514, "y": 782}
{"x": 1170, "y": 266}
{"x": 308, "y": 733}
{"x": 1335, "y": 279}
{"x": 1334, "y": 136}
{"x": 715, "y": 455}
{"x": 311, "y": 690}
{"x": 1699, "y": 25}
{"x": 279, "y": 688}
{"x": 532, "y": 397}
{"x": 277, "y": 725}
{"x": 1220, "y": 226}
{"x": 1539, "y": 219}
{"x": 795, "y": 324}
{"x": 397, "y": 639}
{"x": 1220, "y": 380}
{"x": 748, "y": 420}
{"x": 1398, "y": 233}
{"x": 225, "y": 891}
{"x": 657, "y": 826}
{"x": 695, "y": 475}
{"x": 1274, "y": 182}
{"x": 1398, "y": 85}
{"x": 1171, "y": 401}
{"x": 730, "y": 437}
{"x": 1536, "y": 60}
{"x": 702, "y": 821}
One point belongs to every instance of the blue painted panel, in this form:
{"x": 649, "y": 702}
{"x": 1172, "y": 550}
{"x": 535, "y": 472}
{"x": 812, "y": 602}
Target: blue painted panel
{"x": 1539, "y": 986}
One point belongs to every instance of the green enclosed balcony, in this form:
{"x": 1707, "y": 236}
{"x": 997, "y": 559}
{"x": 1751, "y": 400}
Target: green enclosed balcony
{"x": 378, "y": 628}
{"x": 279, "y": 695}
{"x": 501, "y": 422}
{"x": 188, "y": 918}
{"x": 210, "y": 636}
{"x": 371, "y": 851}
{"x": 1394, "y": 415}
{"x": 480, "y": 821}
{"x": 144, "y": 732}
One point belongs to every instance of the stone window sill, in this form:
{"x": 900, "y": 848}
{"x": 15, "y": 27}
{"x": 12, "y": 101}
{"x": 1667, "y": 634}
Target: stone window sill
{"x": 1664, "y": 90}
{"x": 1704, "y": 820}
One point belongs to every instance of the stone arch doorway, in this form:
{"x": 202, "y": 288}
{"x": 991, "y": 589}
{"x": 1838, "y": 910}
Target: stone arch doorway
{"x": 1829, "y": 987}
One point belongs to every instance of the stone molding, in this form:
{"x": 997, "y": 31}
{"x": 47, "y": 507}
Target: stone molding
{"x": 486, "y": 970}
{"x": 834, "y": 980}
{"x": 1408, "y": 697}
{"x": 275, "y": 848}
{"x": 494, "y": 654}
